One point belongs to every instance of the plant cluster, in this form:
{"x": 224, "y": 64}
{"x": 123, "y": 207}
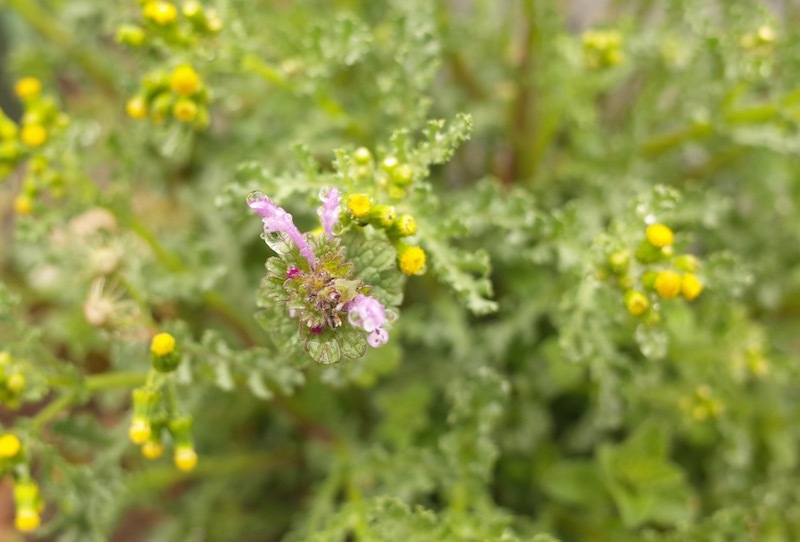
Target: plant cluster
{"x": 521, "y": 276}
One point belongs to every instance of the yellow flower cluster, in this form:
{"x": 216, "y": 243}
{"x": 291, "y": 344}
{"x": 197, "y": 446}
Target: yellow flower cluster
{"x": 180, "y": 94}
{"x": 394, "y": 178}
{"x": 602, "y": 48}
{"x": 41, "y": 120}
{"x": 645, "y": 279}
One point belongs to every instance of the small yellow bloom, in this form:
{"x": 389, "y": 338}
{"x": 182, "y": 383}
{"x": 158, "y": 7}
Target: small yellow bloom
{"x": 140, "y": 431}
{"x": 668, "y": 283}
{"x": 33, "y": 135}
{"x": 412, "y": 261}
{"x": 659, "y": 235}
{"x": 162, "y": 344}
{"x": 636, "y": 302}
{"x": 136, "y": 107}
{"x": 185, "y": 459}
{"x": 359, "y": 205}
{"x": 23, "y": 204}
{"x": 9, "y": 446}
{"x": 691, "y": 287}
{"x": 28, "y": 87}
{"x": 161, "y": 13}
{"x": 27, "y": 520}
{"x": 184, "y": 80}
{"x": 185, "y": 110}
{"x": 152, "y": 449}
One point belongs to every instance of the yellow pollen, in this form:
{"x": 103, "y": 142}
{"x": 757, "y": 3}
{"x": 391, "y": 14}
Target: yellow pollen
{"x": 659, "y": 235}
{"x": 359, "y": 205}
{"x": 161, "y": 13}
{"x": 23, "y": 204}
{"x": 9, "y": 446}
{"x": 185, "y": 459}
{"x": 136, "y": 107}
{"x": 184, "y": 80}
{"x": 28, "y": 87}
{"x": 185, "y": 110}
{"x": 668, "y": 283}
{"x": 412, "y": 261}
{"x": 139, "y": 431}
{"x": 152, "y": 449}
{"x": 33, "y": 135}
{"x": 162, "y": 344}
{"x": 691, "y": 287}
{"x": 27, "y": 520}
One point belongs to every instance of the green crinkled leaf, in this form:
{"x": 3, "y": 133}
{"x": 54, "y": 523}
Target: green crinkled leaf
{"x": 323, "y": 348}
{"x": 335, "y": 345}
{"x": 255, "y": 382}
{"x": 374, "y": 259}
{"x": 465, "y": 272}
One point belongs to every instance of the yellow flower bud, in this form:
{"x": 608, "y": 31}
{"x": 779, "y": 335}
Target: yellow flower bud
{"x": 136, "y": 107}
{"x": 184, "y": 80}
{"x": 185, "y": 110}
{"x": 33, "y": 135}
{"x": 27, "y": 520}
{"x": 362, "y": 155}
{"x": 405, "y": 225}
{"x": 636, "y": 302}
{"x": 412, "y": 261}
{"x": 668, "y": 283}
{"x": 691, "y": 287}
{"x": 359, "y": 205}
{"x": 659, "y": 235}
{"x": 162, "y": 344}
{"x": 27, "y": 88}
{"x": 23, "y": 204}
{"x": 152, "y": 449}
{"x": 161, "y": 13}
{"x": 16, "y": 382}
{"x": 140, "y": 431}
{"x": 185, "y": 459}
{"x": 10, "y": 446}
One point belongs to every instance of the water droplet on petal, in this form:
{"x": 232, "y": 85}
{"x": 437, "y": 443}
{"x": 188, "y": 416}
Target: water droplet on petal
{"x": 255, "y": 195}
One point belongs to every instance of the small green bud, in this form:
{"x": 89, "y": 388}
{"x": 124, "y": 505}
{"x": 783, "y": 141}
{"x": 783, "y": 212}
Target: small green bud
{"x": 619, "y": 261}
{"x": 403, "y": 175}
{"x": 16, "y": 383}
{"x": 649, "y": 279}
{"x": 132, "y": 35}
{"x": 389, "y": 163}
{"x": 382, "y": 216}
{"x": 362, "y": 156}
{"x": 686, "y": 262}
{"x": 647, "y": 253}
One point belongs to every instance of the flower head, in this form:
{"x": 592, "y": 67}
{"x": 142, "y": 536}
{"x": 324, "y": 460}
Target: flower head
{"x": 668, "y": 283}
{"x": 659, "y": 235}
{"x": 368, "y": 313}
{"x": 329, "y": 212}
{"x": 276, "y": 219}
{"x": 9, "y": 446}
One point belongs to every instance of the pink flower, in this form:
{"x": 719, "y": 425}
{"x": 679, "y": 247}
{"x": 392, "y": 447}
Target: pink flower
{"x": 276, "y": 219}
{"x": 368, "y": 313}
{"x": 329, "y": 212}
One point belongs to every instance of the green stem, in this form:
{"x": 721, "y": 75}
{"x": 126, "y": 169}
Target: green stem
{"x": 53, "y": 409}
{"x": 114, "y": 380}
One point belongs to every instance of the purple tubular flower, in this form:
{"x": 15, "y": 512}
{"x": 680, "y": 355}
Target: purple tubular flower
{"x": 329, "y": 212}
{"x": 368, "y": 313}
{"x": 277, "y": 220}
